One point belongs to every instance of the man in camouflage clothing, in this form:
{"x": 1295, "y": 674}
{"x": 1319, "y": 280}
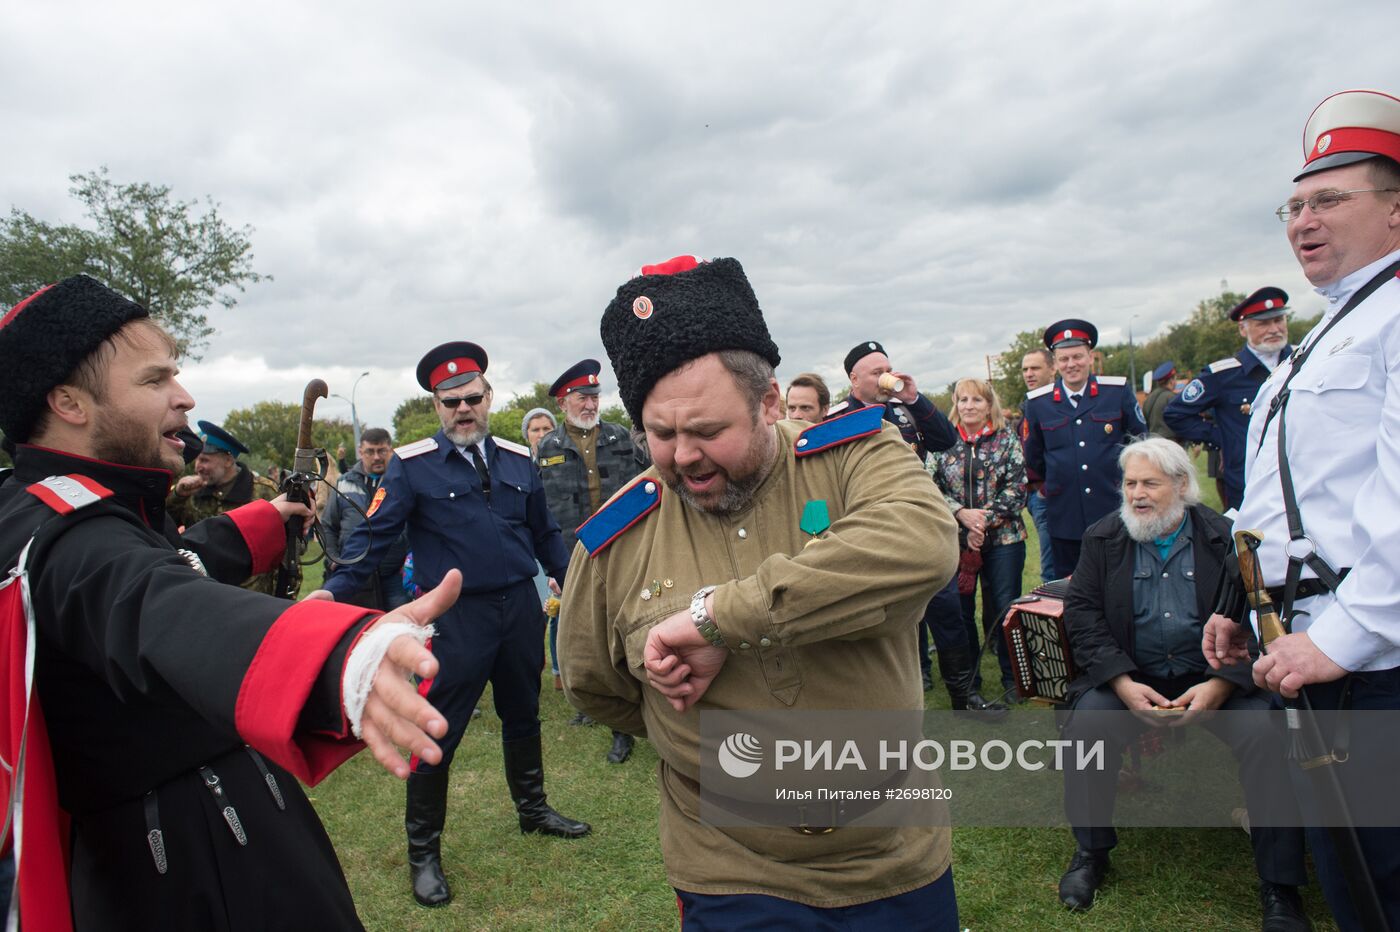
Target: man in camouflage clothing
{"x": 220, "y": 484}
{"x": 583, "y": 462}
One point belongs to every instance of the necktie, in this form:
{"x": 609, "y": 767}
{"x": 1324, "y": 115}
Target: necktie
{"x": 479, "y": 461}
{"x": 1074, "y": 400}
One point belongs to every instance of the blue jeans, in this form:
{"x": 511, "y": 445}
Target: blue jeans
{"x": 1000, "y": 578}
{"x": 1037, "y": 505}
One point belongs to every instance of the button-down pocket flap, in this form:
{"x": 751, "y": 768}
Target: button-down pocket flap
{"x": 450, "y": 492}
{"x": 1348, "y": 371}
{"x": 1054, "y": 424}
{"x": 635, "y": 640}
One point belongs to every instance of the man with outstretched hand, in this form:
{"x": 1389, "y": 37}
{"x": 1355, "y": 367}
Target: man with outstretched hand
{"x": 153, "y": 757}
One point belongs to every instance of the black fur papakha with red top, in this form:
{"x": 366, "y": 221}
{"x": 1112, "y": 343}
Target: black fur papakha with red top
{"x": 677, "y": 311}
{"x": 43, "y": 339}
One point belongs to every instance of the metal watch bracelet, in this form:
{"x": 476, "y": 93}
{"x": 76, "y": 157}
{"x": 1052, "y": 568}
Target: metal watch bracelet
{"x": 703, "y": 622}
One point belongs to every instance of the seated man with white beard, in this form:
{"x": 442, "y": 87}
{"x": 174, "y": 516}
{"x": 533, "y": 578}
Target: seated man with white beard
{"x": 1139, "y": 598}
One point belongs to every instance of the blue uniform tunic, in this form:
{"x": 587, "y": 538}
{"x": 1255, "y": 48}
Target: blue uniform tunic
{"x": 495, "y": 632}
{"x": 1074, "y": 451}
{"x": 1225, "y": 390}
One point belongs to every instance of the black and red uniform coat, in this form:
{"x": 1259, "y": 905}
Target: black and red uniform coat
{"x": 146, "y": 670}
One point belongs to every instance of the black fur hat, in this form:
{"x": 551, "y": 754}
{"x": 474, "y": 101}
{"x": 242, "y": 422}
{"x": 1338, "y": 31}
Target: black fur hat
{"x": 677, "y": 311}
{"x": 43, "y": 339}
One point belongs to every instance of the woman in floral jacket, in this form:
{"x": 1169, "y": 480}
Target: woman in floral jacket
{"x": 983, "y": 478}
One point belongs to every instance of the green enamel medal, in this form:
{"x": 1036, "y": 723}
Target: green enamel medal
{"x": 815, "y": 518}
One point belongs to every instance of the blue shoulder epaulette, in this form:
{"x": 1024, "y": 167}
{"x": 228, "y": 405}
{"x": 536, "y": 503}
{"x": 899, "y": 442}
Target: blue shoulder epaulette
{"x": 625, "y": 509}
{"x": 862, "y": 422}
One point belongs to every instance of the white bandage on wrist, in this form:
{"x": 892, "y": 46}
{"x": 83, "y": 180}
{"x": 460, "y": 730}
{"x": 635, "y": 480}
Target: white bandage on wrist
{"x": 363, "y": 664}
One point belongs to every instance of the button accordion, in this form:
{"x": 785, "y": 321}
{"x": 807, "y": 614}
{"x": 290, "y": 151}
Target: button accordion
{"x": 1038, "y": 645}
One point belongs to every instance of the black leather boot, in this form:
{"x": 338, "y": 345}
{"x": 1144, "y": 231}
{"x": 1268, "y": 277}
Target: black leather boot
{"x": 1283, "y": 908}
{"x": 1082, "y": 879}
{"x": 525, "y": 777}
{"x": 424, "y": 815}
{"x": 956, "y": 670}
{"x": 955, "y": 666}
{"x": 621, "y": 748}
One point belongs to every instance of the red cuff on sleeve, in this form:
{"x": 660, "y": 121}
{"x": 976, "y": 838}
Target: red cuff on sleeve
{"x": 279, "y": 681}
{"x": 264, "y": 533}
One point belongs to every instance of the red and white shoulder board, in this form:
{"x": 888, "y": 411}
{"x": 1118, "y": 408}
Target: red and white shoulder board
{"x": 1113, "y": 380}
{"x": 1042, "y": 390}
{"x": 66, "y": 494}
{"x": 416, "y": 448}
{"x": 516, "y": 448}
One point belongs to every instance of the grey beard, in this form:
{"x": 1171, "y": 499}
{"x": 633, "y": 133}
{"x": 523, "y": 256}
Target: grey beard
{"x": 1146, "y": 530}
{"x": 582, "y": 421}
{"x": 466, "y": 438}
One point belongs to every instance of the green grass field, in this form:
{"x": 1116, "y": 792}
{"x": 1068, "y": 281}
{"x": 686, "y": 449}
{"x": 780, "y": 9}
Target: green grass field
{"x": 1161, "y": 879}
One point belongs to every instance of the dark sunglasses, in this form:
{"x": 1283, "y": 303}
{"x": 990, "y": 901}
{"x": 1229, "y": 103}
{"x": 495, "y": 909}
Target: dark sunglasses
{"x": 471, "y": 400}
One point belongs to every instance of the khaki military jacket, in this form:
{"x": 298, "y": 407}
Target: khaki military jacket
{"x": 813, "y": 623}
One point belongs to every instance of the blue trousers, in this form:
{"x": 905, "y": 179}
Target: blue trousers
{"x": 1000, "y": 578}
{"x": 931, "y": 908}
{"x": 1371, "y": 753}
{"x": 943, "y": 619}
{"x": 492, "y": 637}
{"x": 1036, "y": 505}
{"x": 1066, "y": 555}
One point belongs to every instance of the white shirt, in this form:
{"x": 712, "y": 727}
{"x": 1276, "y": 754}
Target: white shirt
{"x": 1344, "y": 451}
{"x": 1270, "y": 360}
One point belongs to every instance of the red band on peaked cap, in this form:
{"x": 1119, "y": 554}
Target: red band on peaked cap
{"x": 1071, "y": 335}
{"x": 583, "y": 381}
{"x": 1268, "y": 304}
{"x": 14, "y": 311}
{"x": 671, "y": 266}
{"x": 1356, "y": 139}
{"x": 459, "y": 366}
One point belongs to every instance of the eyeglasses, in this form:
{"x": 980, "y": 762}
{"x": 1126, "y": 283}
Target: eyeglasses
{"x": 1323, "y": 201}
{"x": 471, "y": 400}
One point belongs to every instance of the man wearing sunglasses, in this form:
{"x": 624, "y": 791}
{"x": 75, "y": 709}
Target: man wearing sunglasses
{"x": 1215, "y": 406}
{"x": 472, "y": 502}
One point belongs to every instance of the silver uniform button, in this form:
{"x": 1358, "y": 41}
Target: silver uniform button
{"x": 649, "y": 488}
{"x": 1081, "y": 443}
{"x": 743, "y": 645}
{"x": 764, "y": 642}
{"x": 802, "y": 441}
{"x": 1086, "y": 491}
{"x": 743, "y": 534}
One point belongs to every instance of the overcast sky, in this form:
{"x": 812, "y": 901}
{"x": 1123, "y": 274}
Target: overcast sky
{"x": 934, "y": 176}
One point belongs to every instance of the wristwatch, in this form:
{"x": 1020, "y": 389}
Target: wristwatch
{"x": 703, "y": 622}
